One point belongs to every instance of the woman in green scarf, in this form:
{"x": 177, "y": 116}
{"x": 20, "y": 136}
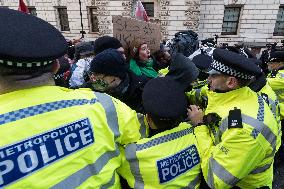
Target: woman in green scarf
{"x": 141, "y": 62}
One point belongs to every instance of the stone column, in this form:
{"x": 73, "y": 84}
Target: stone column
{"x": 192, "y": 13}
{"x": 104, "y": 17}
{"x": 164, "y": 15}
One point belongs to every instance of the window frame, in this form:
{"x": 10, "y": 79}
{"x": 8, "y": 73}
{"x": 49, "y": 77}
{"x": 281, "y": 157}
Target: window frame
{"x": 149, "y": 3}
{"x": 60, "y": 20}
{"x": 237, "y": 21}
{"x": 90, "y": 14}
{"x": 277, "y": 33}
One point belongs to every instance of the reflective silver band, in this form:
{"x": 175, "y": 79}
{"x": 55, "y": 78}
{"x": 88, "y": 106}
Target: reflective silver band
{"x": 130, "y": 153}
{"x": 221, "y": 173}
{"x": 163, "y": 139}
{"x": 110, "y": 112}
{"x": 193, "y": 183}
{"x": 110, "y": 183}
{"x": 197, "y": 95}
{"x": 261, "y": 169}
{"x": 143, "y": 128}
{"x": 281, "y": 75}
{"x": 79, "y": 177}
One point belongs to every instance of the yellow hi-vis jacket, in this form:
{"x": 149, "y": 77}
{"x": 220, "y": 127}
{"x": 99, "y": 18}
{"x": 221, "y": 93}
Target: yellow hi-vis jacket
{"x": 53, "y": 137}
{"x": 169, "y": 159}
{"x": 242, "y": 149}
{"x": 277, "y": 84}
{"x": 198, "y": 96}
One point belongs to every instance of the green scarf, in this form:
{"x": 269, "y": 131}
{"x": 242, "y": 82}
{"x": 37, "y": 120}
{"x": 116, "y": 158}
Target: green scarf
{"x": 147, "y": 68}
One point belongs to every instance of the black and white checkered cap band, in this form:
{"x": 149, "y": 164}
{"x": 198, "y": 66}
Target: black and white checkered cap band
{"x": 25, "y": 64}
{"x": 216, "y": 65}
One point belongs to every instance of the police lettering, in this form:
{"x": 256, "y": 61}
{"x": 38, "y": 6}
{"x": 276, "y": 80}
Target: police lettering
{"x": 23, "y": 158}
{"x": 179, "y": 163}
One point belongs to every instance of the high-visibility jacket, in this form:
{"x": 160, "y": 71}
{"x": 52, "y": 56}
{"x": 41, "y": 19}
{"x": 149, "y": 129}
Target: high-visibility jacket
{"x": 53, "y": 137}
{"x": 276, "y": 82}
{"x": 243, "y": 146}
{"x": 198, "y": 96}
{"x": 169, "y": 159}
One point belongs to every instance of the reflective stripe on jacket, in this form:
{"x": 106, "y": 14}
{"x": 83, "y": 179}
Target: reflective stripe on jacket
{"x": 277, "y": 84}
{"x": 167, "y": 160}
{"x": 239, "y": 156}
{"x": 54, "y": 137}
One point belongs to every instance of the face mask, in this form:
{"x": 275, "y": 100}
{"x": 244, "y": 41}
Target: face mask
{"x": 100, "y": 85}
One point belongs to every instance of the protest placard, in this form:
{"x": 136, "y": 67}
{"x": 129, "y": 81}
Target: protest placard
{"x": 127, "y": 30}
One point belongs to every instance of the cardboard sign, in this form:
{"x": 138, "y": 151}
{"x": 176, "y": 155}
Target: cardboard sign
{"x": 127, "y": 30}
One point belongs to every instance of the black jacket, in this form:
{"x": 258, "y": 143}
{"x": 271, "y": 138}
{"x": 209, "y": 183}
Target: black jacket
{"x": 132, "y": 97}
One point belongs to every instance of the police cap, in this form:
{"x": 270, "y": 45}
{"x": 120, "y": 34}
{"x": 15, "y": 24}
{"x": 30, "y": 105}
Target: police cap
{"x": 27, "y": 41}
{"x": 234, "y": 64}
{"x": 164, "y": 98}
{"x": 276, "y": 56}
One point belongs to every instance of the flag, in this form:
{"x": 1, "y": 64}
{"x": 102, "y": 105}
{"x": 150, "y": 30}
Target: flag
{"x": 140, "y": 13}
{"x": 23, "y": 7}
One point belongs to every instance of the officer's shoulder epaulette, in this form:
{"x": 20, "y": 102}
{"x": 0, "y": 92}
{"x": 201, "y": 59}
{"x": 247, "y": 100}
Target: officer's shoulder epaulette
{"x": 235, "y": 119}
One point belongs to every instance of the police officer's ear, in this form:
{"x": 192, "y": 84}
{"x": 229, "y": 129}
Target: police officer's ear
{"x": 55, "y": 66}
{"x": 232, "y": 82}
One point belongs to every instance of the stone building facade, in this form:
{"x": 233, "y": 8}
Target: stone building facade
{"x": 172, "y": 15}
{"x": 256, "y": 20}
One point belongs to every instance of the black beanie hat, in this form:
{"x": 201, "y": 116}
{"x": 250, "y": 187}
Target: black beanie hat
{"x": 109, "y": 62}
{"x": 164, "y": 97}
{"x": 106, "y": 42}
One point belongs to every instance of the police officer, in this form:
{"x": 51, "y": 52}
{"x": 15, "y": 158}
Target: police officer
{"x": 276, "y": 76}
{"x": 170, "y": 158}
{"x": 276, "y": 81}
{"x": 238, "y": 136}
{"x": 53, "y": 137}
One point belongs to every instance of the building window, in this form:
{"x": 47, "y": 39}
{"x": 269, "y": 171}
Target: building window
{"x": 32, "y": 11}
{"x": 93, "y": 19}
{"x": 63, "y": 19}
{"x": 279, "y": 25}
{"x": 231, "y": 20}
{"x": 149, "y": 8}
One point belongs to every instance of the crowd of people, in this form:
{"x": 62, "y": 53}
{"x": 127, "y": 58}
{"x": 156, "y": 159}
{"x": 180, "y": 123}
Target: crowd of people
{"x": 95, "y": 114}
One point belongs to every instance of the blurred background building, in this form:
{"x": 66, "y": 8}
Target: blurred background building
{"x": 250, "y": 21}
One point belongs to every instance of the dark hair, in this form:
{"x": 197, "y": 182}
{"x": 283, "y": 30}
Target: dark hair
{"x": 165, "y": 123}
{"x": 243, "y": 82}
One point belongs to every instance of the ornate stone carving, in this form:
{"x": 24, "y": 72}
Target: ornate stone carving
{"x": 164, "y": 15}
{"x": 165, "y": 3}
{"x": 101, "y": 3}
{"x": 93, "y": 3}
{"x": 104, "y": 18}
{"x": 192, "y": 13}
{"x": 127, "y": 8}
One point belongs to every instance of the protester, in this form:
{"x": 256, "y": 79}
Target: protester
{"x": 107, "y": 42}
{"x": 53, "y": 137}
{"x": 183, "y": 71}
{"x": 141, "y": 62}
{"x": 85, "y": 54}
{"x": 110, "y": 74}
